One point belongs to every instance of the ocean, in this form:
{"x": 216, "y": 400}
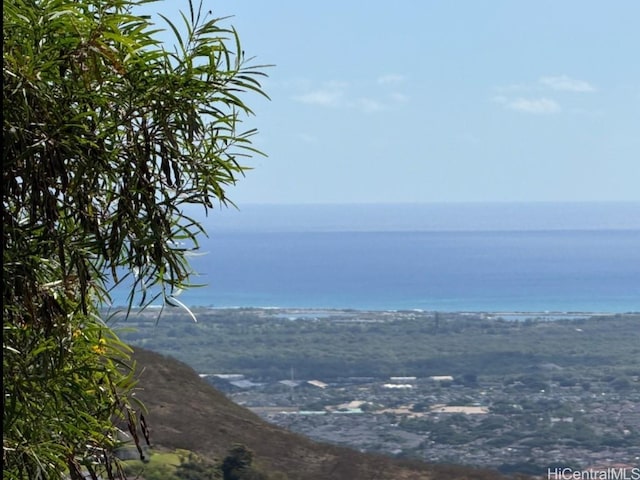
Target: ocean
{"x": 449, "y": 257}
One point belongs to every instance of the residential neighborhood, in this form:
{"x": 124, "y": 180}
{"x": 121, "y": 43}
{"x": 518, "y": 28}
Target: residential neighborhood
{"x": 520, "y": 392}
{"x": 439, "y": 419}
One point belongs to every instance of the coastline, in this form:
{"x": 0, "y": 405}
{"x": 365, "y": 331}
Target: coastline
{"x": 295, "y": 313}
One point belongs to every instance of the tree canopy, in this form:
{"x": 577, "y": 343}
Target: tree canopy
{"x": 108, "y": 134}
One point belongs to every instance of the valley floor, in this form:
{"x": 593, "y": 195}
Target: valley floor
{"x": 520, "y": 392}
{"x": 489, "y": 424}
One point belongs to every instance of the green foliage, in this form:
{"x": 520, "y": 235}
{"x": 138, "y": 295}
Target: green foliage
{"x": 107, "y": 136}
{"x": 62, "y": 386}
{"x": 265, "y": 344}
{"x": 237, "y": 465}
{"x": 178, "y": 465}
{"x": 156, "y": 471}
{"x": 185, "y": 465}
{"x": 194, "y": 468}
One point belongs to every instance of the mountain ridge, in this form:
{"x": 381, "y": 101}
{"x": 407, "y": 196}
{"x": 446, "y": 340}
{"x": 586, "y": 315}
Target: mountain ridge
{"x": 185, "y": 412}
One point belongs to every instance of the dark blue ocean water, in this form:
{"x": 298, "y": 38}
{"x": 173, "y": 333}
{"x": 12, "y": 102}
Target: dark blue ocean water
{"x": 470, "y": 258}
{"x": 521, "y": 271}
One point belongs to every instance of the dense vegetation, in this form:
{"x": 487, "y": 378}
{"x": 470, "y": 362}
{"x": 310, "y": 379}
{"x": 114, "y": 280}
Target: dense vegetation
{"x": 238, "y": 464}
{"x": 107, "y": 136}
{"x": 267, "y": 344}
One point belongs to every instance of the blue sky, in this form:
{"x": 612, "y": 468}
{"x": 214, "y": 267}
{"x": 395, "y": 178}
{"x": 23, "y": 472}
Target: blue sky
{"x": 441, "y": 101}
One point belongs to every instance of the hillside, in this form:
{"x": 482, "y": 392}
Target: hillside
{"x": 186, "y": 412}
